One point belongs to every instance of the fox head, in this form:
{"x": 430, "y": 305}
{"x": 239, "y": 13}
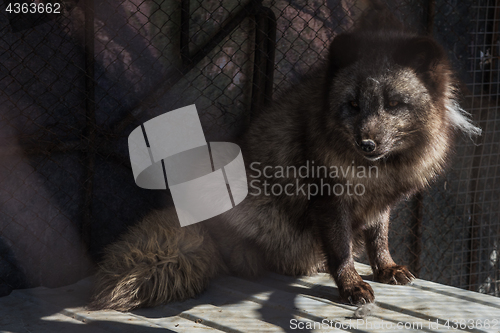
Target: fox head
{"x": 389, "y": 92}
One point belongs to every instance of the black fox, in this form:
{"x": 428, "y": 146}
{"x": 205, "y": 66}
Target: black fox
{"x": 384, "y": 100}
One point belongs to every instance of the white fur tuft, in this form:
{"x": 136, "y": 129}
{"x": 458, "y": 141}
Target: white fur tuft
{"x": 460, "y": 119}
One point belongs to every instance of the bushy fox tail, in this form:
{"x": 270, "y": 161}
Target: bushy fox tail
{"x": 156, "y": 262}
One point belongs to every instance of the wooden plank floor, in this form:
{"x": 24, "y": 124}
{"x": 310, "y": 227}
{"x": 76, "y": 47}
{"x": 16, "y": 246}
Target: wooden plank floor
{"x": 273, "y": 303}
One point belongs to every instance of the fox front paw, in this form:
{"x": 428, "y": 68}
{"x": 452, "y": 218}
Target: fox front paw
{"x": 394, "y": 275}
{"x": 357, "y": 293}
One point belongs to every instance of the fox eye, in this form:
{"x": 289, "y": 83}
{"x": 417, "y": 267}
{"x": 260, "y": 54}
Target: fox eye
{"x": 354, "y": 104}
{"x": 393, "y": 103}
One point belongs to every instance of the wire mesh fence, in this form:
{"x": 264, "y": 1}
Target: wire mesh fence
{"x": 73, "y": 85}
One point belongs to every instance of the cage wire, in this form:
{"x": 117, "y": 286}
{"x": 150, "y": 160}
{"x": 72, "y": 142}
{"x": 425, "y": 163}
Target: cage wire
{"x": 73, "y": 85}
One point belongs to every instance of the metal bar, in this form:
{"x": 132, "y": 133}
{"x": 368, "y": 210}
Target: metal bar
{"x": 90, "y": 130}
{"x": 475, "y": 220}
{"x": 417, "y": 232}
{"x": 271, "y": 50}
{"x": 249, "y": 9}
{"x": 494, "y": 40}
{"x": 258, "y": 66}
{"x": 475, "y": 208}
{"x": 263, "y": 72}
{"x": 185, "y": 14}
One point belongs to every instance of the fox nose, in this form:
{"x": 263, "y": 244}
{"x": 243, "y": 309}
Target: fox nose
{"x": 368, "y": 145}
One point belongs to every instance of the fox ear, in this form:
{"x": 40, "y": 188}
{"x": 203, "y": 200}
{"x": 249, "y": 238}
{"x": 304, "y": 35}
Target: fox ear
{"x": 419, "y": 53}
{"x": 343, "y": 52}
